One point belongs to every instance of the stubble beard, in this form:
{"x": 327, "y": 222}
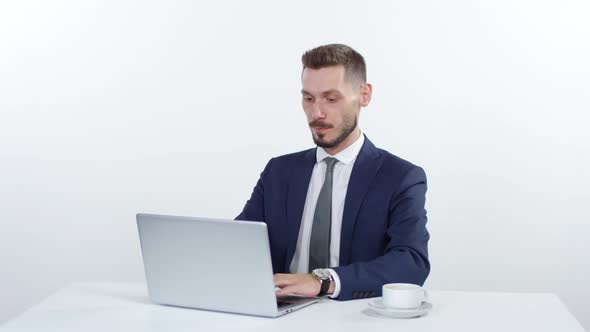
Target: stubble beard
{"x": 344, "y": 133}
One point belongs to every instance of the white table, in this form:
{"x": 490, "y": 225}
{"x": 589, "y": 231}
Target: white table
{"x": 125, "y": 307}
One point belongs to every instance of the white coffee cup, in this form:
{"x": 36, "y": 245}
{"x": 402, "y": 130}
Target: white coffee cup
{"x": 403, "y": 296}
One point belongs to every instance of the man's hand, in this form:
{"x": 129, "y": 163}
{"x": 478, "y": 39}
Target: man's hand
{"x": 299, "y": 284}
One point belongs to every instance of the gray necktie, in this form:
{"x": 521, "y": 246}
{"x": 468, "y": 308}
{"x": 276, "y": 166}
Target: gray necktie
{"x": 319, "y": 244}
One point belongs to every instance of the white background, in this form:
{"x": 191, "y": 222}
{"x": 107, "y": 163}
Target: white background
{"x": 108, "y": 108}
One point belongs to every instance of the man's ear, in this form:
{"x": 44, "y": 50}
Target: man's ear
{"x": 365, "y": 94}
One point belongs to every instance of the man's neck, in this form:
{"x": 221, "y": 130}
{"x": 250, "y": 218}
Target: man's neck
{"x": 346, "y": 143}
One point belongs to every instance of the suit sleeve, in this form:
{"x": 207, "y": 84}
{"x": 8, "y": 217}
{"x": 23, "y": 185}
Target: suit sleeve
{"x": 254, "y": 208}
{"x": 405, "y": 259}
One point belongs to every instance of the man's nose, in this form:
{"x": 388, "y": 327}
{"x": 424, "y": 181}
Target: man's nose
{"x": 317, "y": 112}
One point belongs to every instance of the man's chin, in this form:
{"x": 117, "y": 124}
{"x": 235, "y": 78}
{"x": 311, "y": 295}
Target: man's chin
{"x": 323, "y": 142}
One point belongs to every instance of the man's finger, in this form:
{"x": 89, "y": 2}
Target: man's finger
{"x": 284, "y": 283}
{"x": 279, "y": 276}
{"x": 287, "y": 290}
{"x": 282, "y": 280}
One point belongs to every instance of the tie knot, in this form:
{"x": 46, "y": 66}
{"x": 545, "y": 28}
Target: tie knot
{"x": 330, "y": 162}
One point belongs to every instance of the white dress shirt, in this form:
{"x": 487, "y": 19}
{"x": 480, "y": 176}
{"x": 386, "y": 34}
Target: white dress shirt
{"x": 341, "y": 176}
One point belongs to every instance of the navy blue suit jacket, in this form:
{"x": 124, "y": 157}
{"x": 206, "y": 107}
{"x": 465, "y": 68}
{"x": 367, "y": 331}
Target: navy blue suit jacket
{"x": 383, "y": 237}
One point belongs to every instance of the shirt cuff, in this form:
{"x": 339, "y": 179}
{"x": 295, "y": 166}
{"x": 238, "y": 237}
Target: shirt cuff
{"x": 336, "y": 284}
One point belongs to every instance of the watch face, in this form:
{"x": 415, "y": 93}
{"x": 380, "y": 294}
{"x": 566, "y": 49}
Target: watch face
{"x": 321, "y": 273}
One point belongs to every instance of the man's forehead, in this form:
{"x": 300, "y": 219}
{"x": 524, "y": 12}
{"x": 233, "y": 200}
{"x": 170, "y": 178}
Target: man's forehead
{"x": 326, "y": 73}
{"x": 324, "y": 80}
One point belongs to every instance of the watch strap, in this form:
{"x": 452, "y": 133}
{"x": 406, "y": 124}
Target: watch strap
{"x": 325, "y": 286}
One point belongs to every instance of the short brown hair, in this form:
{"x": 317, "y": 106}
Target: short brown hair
{"x": 334, "y": 55}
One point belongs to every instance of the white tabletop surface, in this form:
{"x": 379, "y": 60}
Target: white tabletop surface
{"x": 125, "y": 307}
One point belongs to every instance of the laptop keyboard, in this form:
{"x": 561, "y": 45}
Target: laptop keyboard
{"x": 282, "y": 304}
{"x": 289, "y": 300}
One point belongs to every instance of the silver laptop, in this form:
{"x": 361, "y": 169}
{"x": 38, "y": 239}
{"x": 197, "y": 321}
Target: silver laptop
{"x": 212, "y": 264}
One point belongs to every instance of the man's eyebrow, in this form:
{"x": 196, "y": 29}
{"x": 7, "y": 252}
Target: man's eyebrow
{"x": 331, "y": 91}
{"x": 327, "y": 92}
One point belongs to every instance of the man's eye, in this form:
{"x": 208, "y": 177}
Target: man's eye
{"x": 331, "y": 100}
{"x": 307, "y": 98}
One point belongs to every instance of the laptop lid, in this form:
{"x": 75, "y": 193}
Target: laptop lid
{"x": 221, "y": 265}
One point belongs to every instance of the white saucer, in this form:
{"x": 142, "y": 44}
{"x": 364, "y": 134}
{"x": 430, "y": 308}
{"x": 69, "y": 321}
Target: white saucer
{"x": 377, "y": 306}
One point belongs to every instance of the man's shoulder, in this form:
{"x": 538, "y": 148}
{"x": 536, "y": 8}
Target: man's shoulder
{"x": 284, "y": 164}
{"x": 295, "y": 157}
{"x": 397, "y": 166}
{"x": 395, "y": 160}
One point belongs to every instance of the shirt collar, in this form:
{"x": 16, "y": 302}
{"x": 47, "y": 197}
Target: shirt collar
{"x": 345, "y": 156}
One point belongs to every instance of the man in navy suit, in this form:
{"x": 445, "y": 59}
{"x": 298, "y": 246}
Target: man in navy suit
{"x": 346, "y": 217}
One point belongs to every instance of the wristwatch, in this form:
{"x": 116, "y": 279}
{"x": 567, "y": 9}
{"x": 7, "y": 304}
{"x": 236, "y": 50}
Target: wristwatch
{"x": 325, "y": 279}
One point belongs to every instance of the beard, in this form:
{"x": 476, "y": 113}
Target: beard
{"x": 348, "y": 127}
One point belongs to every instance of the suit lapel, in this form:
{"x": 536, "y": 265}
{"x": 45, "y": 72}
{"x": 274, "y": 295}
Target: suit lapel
{"x": 363, "y": 172}
{"x": 296, "y": 194}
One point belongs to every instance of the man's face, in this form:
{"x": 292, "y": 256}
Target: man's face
{"x": 331, "y": 103}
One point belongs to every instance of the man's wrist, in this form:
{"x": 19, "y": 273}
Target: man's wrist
{"x": 332, "y": 286}
{"x": 335, "y": 283}
{"x": 326, "y": 281}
